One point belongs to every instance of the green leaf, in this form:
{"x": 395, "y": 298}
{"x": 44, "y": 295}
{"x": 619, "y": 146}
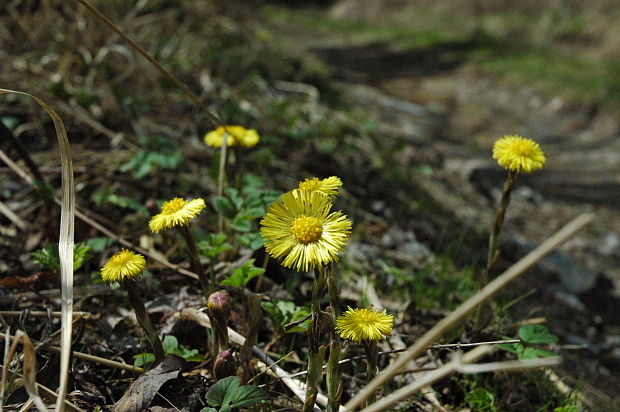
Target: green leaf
{"x": 48, "y": 256}
{"x": 242, "y": 223}
{"x": 171, "y": 345}
{"x": 535, "y": 353}
{"x": 207, "y": 409}
{"x": 224, "y": 207}
{"x": 480, "y": 400}
{"x": 247, "y": 395}
{"x": 512, "y": 347}
{"x": 98, "y": 244}
{"x": 221, "y": 393}
{"x": 241, "y": 276}
{"x": 142, "y": 359}
{"x": 214, "y": 245}
{"x": 536, "y": 334}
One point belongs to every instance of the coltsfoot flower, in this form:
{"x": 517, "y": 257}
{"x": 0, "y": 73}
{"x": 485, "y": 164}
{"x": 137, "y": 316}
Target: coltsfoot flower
{"x": 328, "y": 186}
{"x": 300, "y": 229}
{"x": 237, "y": 135}
{"x": 517, "y": 154}
{"x": 123, "y": 265}
{"x": 364, "y": 325}
{"x": 176, "y": 212}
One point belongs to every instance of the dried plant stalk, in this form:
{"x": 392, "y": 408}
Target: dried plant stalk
{"x": 65, "y": 244}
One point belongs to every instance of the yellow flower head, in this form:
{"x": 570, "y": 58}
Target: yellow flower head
{"x": 364, "y": 324}
{"x": 176, "y": 212}
{"x": 300, "y": 228}
{"x": 517, "y": 153}
{"x": 328, "y": 186}
{"x": 235, "y": 135}
{"x": 123, "y": 265}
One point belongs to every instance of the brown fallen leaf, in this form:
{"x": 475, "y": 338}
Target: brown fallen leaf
{"x": 141, "y": 393}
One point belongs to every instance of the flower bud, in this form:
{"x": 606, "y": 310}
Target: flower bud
{"x": 219, "y": 304}
{"x": 225, "y": 365}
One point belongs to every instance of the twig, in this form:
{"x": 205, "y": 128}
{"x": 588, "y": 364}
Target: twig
{"x": 42, "y": 314}
{"x": 462, "y": 364}
{"x": 86, "y": 357}
{"x": 468, "y": 306}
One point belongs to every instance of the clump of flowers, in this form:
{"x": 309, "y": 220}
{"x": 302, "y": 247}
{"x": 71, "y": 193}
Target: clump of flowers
{"x": 364, "y": 325}
{"x": 235, "y": 135}
{"x": 126, "y": 267}
{"x": 517, "y": 154}
{"x": 328, "y": 186}
{"x": 176, "y": 212}
{"x": 301, "y": 229}
{"x": 123, "y": 265}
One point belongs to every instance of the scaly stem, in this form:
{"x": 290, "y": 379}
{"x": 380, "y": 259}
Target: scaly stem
{"x": 195, "y": 259}
{"x": 499, "y": 220}
{"x": 143, "y": 319}
{"x": 372, "y": 354}
{"x": 316, "y": 352}
{"x": 493, "y": 253}
{"x": 334, "y": 372}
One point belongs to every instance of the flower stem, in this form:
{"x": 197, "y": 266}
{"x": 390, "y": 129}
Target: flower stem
{"x": 334, "y": 372}
{"x": 316, "y": 352}
{"x": 493, "y": 253}
{"x": 143, "y": 319}
{"x": 372, "y": 355}
{"x": 195, "y": 259}
{"x": 499, "y": 220}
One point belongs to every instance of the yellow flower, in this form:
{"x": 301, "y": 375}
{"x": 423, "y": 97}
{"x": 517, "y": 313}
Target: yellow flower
{"x": 123, "y": 265}
{"x": 517, "y": 153}
{"x": 176, "y": 212}
{"x": 236, "y": 135}
{"x": 364, "y": 324}
{"x": 328, "y": 186}
{"x": 300, "y": 228}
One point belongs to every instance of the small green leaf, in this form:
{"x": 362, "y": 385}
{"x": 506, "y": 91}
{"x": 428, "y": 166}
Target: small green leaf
{"x": 480, "y": 400}
{"x": 98, "y": 244}
{"x": 207, "y": 409}
{"x": 221, "y": 393}
{"x": 248, "y": 395}
{"x": 142, "y": 359}
{"x": 241, "y": 224}
{"x": 241, "y": 276}
{"x": 224, "y": 207}
{"x": 536, "y": 334}
{"x": 170, "y": 344}
{"x": 535, "y": 353}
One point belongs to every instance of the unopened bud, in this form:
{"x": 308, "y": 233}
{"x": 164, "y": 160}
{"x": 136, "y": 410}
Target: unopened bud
{"x": 219, "y": 304}
{"x": 225, "y": 365}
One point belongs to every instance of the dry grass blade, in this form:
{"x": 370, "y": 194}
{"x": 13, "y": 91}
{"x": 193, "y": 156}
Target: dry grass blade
{"x": 468, "y": 306}
{"x": 65, "y": 244}
{"x": 29, "y": 368}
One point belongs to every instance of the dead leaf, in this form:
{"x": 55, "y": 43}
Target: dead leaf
{"x": 141, "y": 393}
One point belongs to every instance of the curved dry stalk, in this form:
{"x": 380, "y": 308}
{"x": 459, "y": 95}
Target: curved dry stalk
{"x": 65, "y": 243}
{"x": 29, "y": 368}
{"x": 468, "y": 306}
